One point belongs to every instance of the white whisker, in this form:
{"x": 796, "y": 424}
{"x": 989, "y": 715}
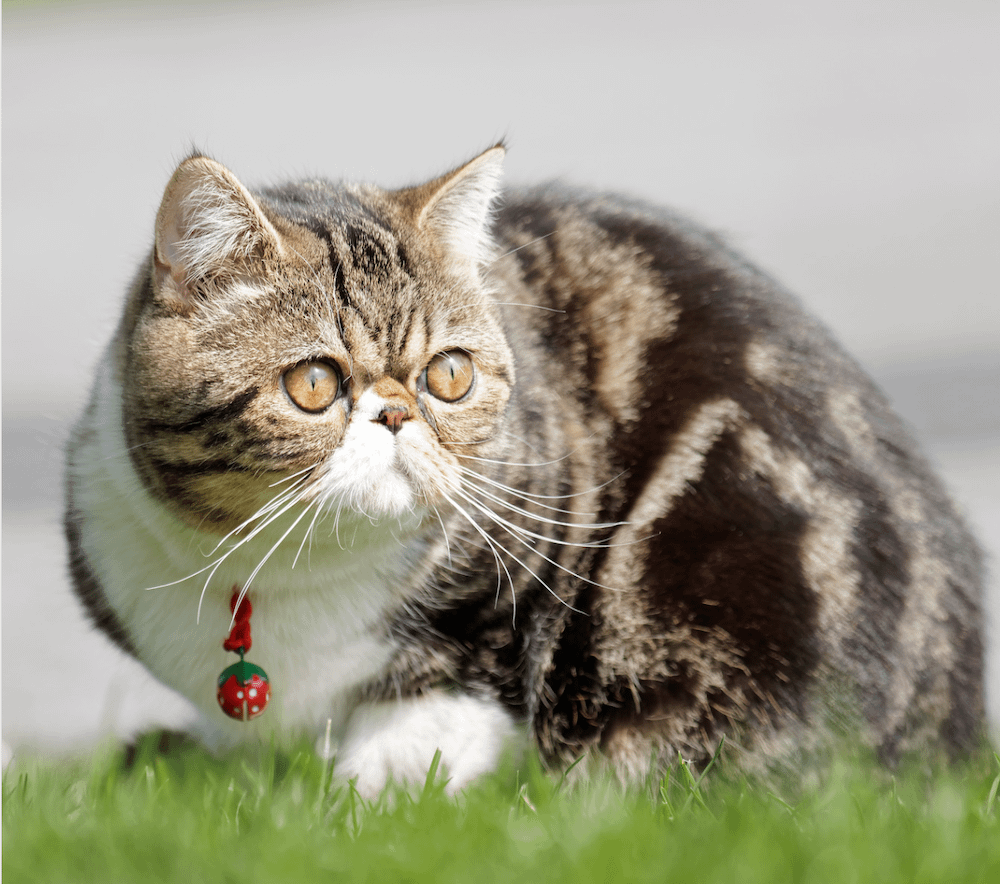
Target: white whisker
{"x": 275, "y": 502}
{"x": 263, "y": 561}
{"x": 336, "y": 524}
{"x": 444, "y": 531}
{"x": 595, "y": 526}
{"x": 533, "y": 306}
{"x": 509, "y": 463}
{"x": 516, "y": 533}
{"x": 292, "y": 476}
{"x": 308, "y": 534}
{"x": 530, "y": 242}
{"x": 524, "y": 495}
{"x": 492, "y": 544}
{"x": 218, "y": 562}
{"x": 517, "y": 530}
{"x": 267, "y": 514}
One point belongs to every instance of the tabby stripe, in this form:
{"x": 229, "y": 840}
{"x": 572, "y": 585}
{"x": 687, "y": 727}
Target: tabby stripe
{"x": 683, "y": 463}
{"x": 683, "y": 379}
{"x": 403, "y": 259}
{"x": 677, "y": 470}
{"x": 882, "y": 563}
{"x": 827, "y": 545}
{"x": 368, "y": 255}
{"x": 728, "y": 556}
{"x": 574, "y": 673}
{"x": 336, "y": 263}
{"x": 963, "y": 724}
{"x": 197, "y": 468}
{"x": 566, "y": 717}
{"x": 399, "y": 328}
{"x": 918, "y": 640}
{"x": 217, "y": 414}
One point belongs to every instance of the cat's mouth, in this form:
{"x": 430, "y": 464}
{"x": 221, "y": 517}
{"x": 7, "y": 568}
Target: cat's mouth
{"x": 379, "y": 472}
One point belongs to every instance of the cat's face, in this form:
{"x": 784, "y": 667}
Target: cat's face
{"x": 313, "y": 345}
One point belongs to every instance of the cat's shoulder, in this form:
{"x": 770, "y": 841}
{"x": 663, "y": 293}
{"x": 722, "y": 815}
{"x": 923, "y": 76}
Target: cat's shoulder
{"x": 588, "y": 229}
{"x": 550, "y": 206}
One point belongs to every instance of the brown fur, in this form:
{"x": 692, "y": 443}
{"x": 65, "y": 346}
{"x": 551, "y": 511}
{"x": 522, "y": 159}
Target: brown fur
{"x": 776, "y": 556}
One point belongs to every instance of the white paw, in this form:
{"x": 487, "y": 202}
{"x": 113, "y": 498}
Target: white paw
{"x": 396, "y": 740}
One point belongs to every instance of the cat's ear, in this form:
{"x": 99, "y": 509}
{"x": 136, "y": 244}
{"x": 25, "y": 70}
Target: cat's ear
{"x": 208, "y": 227}
{"x": 455, "y": 208}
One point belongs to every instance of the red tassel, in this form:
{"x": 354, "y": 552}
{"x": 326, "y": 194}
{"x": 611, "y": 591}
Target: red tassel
{"x": 243, "y": 690}
{"x": 239, "y": 635}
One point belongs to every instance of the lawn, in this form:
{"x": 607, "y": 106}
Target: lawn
{"x": 192, "y": 818}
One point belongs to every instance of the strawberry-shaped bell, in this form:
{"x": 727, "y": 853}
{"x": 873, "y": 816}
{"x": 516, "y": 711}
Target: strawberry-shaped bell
{"x": 244, "y": 688}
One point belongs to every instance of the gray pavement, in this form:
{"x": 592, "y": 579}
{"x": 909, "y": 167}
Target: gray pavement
{"x": 851, "y": 149}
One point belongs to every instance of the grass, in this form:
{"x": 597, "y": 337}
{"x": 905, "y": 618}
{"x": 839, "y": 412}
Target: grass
{"x": 192, "y": 818}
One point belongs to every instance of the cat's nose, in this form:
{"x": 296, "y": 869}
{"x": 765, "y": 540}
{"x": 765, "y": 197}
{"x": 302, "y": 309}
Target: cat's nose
{"x": 393, "y": 416}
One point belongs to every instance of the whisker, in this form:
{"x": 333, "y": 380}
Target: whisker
{"x": 292, "y": 476}
{"x": 518, "y": 492}
{"x": 289, "y": 498}
{"x": 530, "y": 242}
{"x": 492, "y": 544}
{"x": 275, "y": 502}
{"x": 533, "y": 306}
{"x": 218, "y": 562}
{"x": 336, "y": 524}
{"x": 308, "y": 534}
{"x": 515, "y": 532}
{"x": 444, "y": 531}
{"x": 509, "y": 463}
{"x": 511, "y": 528}
{"x": 529, "y": 497}
{"x": 263, "y": 561}
{"x": 596, "y": 526}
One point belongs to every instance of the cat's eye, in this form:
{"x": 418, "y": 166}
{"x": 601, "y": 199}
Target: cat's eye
{"x": 312, "y": 386}
{"x": 449, "y": 375}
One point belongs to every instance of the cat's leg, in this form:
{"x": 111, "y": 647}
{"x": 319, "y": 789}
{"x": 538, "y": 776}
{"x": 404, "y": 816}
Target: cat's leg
{"x": 396, "y": 740}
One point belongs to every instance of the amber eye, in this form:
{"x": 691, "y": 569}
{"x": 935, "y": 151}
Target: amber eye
{"x": 312, "y": 386}
{"x": 449, "y": 375}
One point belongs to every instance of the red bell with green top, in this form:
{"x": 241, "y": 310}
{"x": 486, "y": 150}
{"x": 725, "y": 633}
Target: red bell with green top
{"x": 244, "y": 688}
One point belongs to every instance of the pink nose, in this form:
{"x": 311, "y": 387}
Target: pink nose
{"x": 393, "y": 416}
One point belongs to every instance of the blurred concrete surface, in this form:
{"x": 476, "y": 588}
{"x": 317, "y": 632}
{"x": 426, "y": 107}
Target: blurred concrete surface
{"x": 851, "y": 149}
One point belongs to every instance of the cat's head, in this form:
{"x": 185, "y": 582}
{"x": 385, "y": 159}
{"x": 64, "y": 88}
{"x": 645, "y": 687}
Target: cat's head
{"x": 335, "y": 339}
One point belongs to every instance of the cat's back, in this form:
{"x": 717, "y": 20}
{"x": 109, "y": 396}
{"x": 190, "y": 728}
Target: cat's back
{"x": 777, "y": 509}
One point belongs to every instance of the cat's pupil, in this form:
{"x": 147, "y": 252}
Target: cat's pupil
{"x": 449, "y": 375}
{"x": 312, "y": 386}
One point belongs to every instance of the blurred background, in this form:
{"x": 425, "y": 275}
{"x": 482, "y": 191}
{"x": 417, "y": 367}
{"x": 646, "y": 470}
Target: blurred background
{"x": 851, "y": 149}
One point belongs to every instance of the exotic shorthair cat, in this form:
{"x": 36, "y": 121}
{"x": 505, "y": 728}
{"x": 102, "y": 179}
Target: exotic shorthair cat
{"x": 548, "y": 467}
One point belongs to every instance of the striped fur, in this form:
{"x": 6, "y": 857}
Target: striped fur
{"x": 670, "y": 508}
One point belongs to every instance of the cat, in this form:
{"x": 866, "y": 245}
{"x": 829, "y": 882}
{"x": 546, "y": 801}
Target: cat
{"x": 547, "y": 468}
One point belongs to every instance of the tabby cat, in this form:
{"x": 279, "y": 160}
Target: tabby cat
{"x": 555, "y": 469}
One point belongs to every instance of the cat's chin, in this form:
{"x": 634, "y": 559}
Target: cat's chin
{"x": 386, "y": 498}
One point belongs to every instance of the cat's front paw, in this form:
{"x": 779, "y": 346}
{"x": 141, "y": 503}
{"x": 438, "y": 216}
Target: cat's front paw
{"x": 395, "y": 741}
